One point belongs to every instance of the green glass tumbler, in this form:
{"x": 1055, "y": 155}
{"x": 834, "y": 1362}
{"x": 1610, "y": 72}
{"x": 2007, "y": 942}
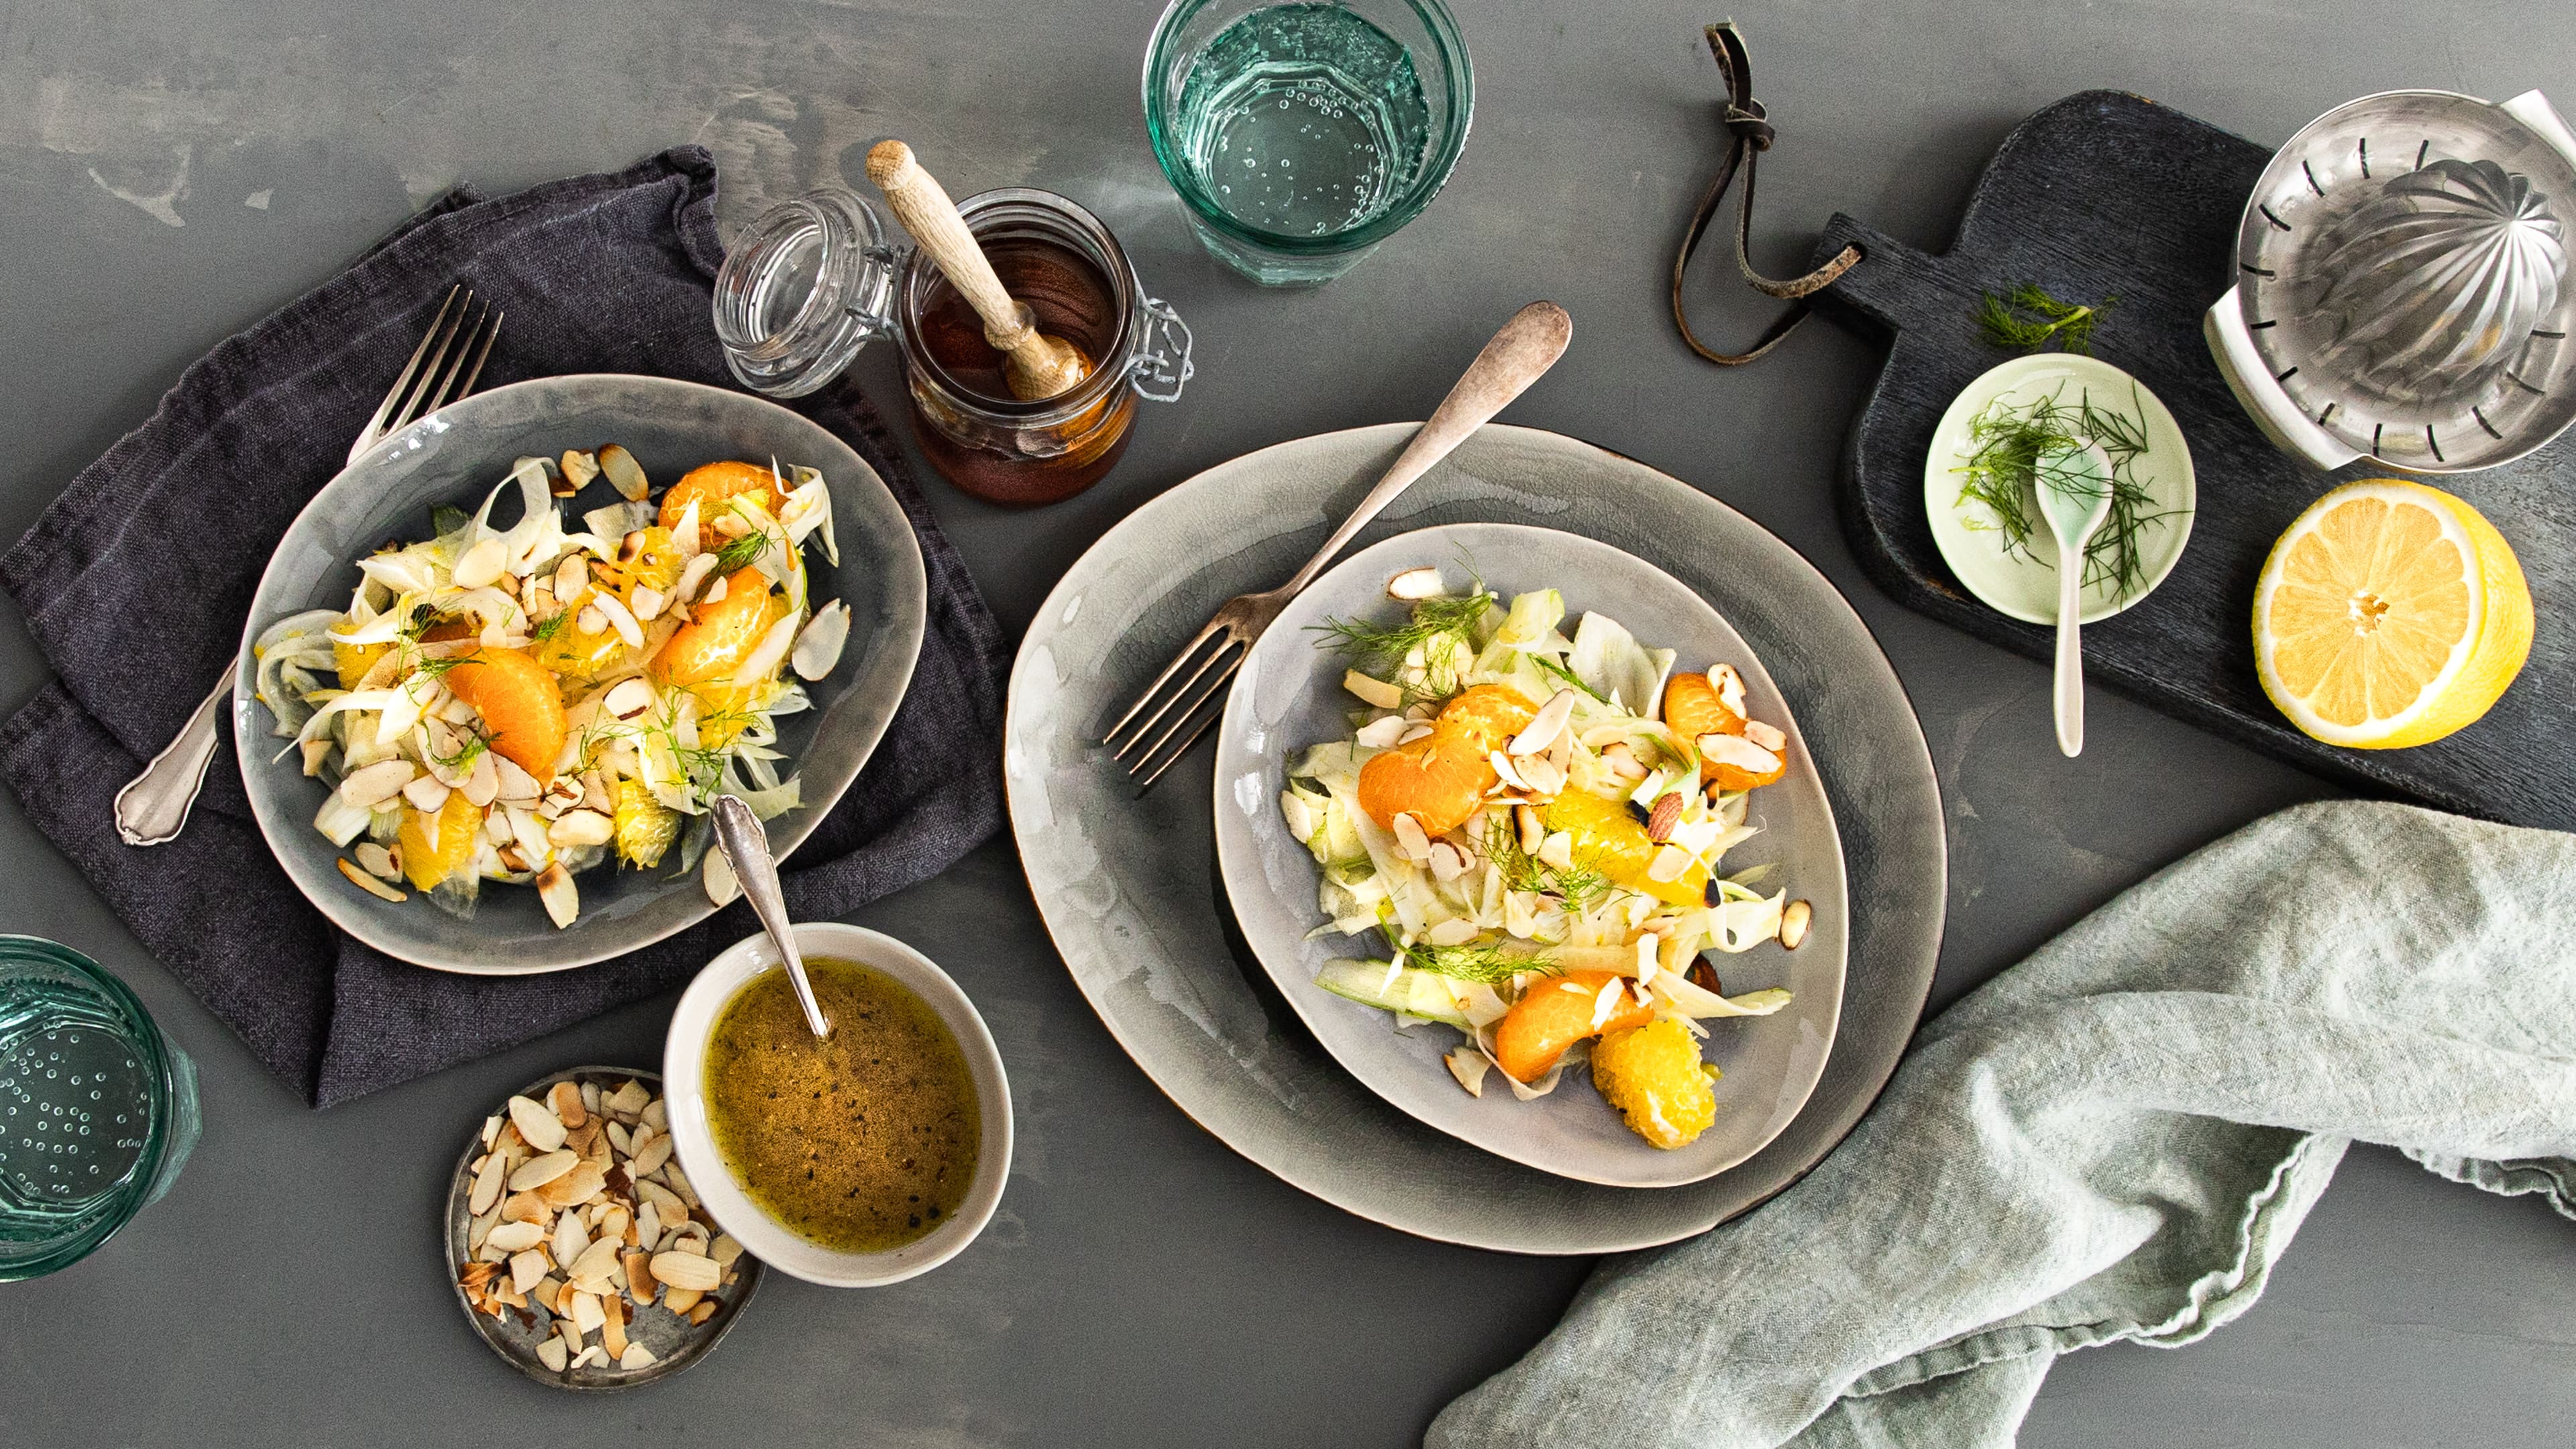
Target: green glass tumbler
{"x": 98, "y": 1110}
{"x": 1300, "y": 136}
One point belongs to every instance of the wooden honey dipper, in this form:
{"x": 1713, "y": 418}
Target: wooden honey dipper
{"x": 1035, "y": 365}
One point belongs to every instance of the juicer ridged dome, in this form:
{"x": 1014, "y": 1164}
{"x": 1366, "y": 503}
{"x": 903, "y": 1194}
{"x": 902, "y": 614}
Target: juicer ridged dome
{"x": 2435, "y": 285}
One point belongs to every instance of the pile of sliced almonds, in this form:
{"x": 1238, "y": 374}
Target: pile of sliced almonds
{"x": 581, "y": 1214}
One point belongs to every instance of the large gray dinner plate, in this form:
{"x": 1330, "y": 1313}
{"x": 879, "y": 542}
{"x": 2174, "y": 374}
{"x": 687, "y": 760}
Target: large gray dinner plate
{"x": 455, "y": 457}
{"x": 1289, "y": 697}
{"x": 1128, "y": 887}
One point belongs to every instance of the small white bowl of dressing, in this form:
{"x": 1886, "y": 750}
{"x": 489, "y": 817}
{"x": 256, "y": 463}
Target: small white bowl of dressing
{"x": 839, "y": 1140}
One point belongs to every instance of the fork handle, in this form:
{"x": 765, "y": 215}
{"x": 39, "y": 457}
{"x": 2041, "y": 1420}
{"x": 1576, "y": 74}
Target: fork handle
{"x": 153, "y": 807}
{"x": 1519, "y": 354}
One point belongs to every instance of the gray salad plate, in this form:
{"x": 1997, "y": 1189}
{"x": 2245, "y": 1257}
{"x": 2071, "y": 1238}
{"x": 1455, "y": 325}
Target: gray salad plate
{"x": 1128, "y": 887}
{"x": 1289, "y": 696}
{"x": 458, "y": 455}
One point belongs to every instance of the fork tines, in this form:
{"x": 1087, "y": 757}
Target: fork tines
{"x": 1190, "y": 706}
{"x": 431, "y": 379}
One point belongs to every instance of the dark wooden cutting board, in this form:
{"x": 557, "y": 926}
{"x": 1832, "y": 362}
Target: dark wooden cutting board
{"x": 2109, "y": 194}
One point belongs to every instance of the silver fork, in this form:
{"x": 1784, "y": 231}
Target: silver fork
{"x": 1525, "y": 348}
{"x": 153, "y": 807}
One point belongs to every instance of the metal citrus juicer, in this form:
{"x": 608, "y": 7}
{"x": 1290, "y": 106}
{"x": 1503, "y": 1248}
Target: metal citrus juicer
{"x": 2402, "y": 287}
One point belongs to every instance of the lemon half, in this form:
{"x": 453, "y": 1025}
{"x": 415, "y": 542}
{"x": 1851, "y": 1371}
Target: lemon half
{"x": 2390, "y": 614}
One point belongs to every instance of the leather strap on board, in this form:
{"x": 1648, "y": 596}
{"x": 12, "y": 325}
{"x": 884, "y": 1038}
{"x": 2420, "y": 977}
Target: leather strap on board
{"x": 1749, "y": 134}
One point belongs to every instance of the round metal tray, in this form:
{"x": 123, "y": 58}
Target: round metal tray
{"x": 675, "y": 1344}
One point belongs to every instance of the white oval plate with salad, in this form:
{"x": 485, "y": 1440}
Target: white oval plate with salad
{"x": 1430, "y": 963}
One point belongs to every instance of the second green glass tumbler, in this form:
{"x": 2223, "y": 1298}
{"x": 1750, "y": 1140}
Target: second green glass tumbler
{"x": 1299, "y": 136}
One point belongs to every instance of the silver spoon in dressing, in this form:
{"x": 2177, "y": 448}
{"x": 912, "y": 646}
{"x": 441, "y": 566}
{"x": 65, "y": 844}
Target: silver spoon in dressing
{"x": 745, "y": 844}
{"x": 2074, "y": 487}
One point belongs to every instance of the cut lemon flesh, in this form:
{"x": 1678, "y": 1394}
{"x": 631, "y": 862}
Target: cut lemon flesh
{"x": 2389, "y": 614}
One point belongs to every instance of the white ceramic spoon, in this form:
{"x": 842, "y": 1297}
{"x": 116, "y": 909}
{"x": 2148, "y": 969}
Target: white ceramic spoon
{"x": 2074, "y": 486}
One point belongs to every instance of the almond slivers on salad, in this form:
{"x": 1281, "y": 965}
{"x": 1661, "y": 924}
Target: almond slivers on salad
{"x": 521, "y": 705}
{"x": 1535, "y": 825}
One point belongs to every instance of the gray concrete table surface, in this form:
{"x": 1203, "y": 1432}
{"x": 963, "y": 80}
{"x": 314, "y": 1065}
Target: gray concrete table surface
{"x": 170, "y": 171}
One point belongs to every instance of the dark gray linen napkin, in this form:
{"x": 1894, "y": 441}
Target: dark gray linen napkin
{"x": 135, "y": 582}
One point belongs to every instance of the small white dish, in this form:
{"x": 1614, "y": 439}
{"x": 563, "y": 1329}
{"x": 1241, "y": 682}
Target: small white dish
{"x": 683, "y": 1088}
{"x": 2023, "y": 586}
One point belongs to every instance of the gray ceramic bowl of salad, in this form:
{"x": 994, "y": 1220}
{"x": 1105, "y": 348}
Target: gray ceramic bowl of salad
{"x": 452, "y": 460}
{"x": 1291, "y": 697}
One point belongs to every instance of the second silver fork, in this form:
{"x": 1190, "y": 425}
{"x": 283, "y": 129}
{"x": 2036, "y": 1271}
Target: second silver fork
{"x": 1183, "y": 701}
{"x": 153, "y": 807}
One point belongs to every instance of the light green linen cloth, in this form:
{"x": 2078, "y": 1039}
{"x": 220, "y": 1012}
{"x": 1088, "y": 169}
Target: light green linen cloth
{"x": 2113, "y": 1140}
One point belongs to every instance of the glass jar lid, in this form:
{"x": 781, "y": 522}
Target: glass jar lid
{"x": 803, "y": 290}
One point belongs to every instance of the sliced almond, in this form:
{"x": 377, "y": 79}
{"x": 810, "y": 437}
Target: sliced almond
{"x": 562, "y": 899}
{"x": 581, "y": 827}
{"x": 692, "y": 574}
{"x": 577, "y": 469}
{"x": 1668, "y": 864}
{"x": 725, "y": 1250}
{"x": 624, "y": 473}
{"x": 703, "y": 1312}
{"x": 636, "y": 1356}
{"x": 572, "y": 581}
{"x": 612, "y": 1329}
{"x": 591, "y": 620}
{"x": 1622, "y": 762}
{"x": 1556, "y": 851}
{"x": 1730, "y": 688}
{"x": 575, "y": 1186}
{"x": 553, "y": 1354}
{"x": 369, "y": 786}
{"x": 565, "y": 1099}
{"x": 516, "y": 1237}
{"x": 571, "y": 1239}
{"x": 377, "y": 861}
{"x": 428, "y": 794}
{"x": 1542, "y": 774}
{"x": 671, "y": 1208}
{"x": 646, "y": 603}
{"x": 716, "y": 591}
{"x": 640, "y": 1283}
{"x": 1503, "y": 766}
{"x": 547, "y": 1294}
{"x": 590, "y": 1356}
{"x": 685, "y": 1270}
{"x": 491, "y": 1129}
{"x": 587, "y": 1315}
{"x": 594, "y": 1265}
{"x": 483, "y": 564}
{"x": 650, "y": 1157}
{"x": 615, "y": 612}
{"x": 1413, "y": 584}
{"x": 370, "y": 884}
{"x": 1543, "y": 728}
{"x": 543, "y": 1170}
{"x": 1533, "y": 831}
{"x": 487, "y": 1185}
{"x": 681, "y": 1300}
{"x": 1738, "y": 751}
{"x": 1666, "y": 814}
{"x": 628, "y": 699}
{"x": 1379, "y": 734}
{"x": 482, "y": 782}
{"x": 541, "y": 1128}
{"x": 1448, "y": 862}
{"x": 526, "y": 1207}
{"x": 528, "y": 1269}
{"x": 1410, "y": 838}
{"x": 656, "y": 1115}
{"x": 1795, "y": 922}
{"x": 1468, "y": 1065}
{"x": 1768, "y": 737}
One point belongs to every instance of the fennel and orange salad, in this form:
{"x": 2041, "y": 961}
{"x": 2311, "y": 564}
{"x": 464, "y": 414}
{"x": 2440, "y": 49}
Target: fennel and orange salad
{"x": 520, "y": 705}
{"x": 1534, "y": 824}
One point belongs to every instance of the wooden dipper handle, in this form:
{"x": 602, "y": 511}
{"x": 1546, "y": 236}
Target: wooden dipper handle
{"x": 1038, "y": 366}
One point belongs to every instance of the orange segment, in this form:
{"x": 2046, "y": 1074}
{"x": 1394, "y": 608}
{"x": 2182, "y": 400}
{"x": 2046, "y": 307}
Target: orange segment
{"x": 520, "y": 703}
{"x": 1442, "y": 777}
{"x": 722, "y": 634}
{"x": 1549, "y": 1018}
{"x": 709, "y": 487}
{"x": 2390, "y": 614}
{"x": 1609, "y": 839}
{"x": 1693, "y": 707}
{"x": 426, "y": 862}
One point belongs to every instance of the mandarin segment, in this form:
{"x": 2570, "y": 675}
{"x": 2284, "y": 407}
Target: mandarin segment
{"x": 520, "y": 703}
{"x": 722, "y": 634}
{"x": 1549, "y": 1018}
{"x": 1441, "y": 778}
{"x": 711, "y": 486}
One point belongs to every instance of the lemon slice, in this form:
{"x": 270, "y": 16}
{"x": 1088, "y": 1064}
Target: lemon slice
{"x": 2390, "y": 614}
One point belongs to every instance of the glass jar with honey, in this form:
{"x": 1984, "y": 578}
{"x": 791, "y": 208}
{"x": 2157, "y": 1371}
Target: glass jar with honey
{"x": 814, "y": 279}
